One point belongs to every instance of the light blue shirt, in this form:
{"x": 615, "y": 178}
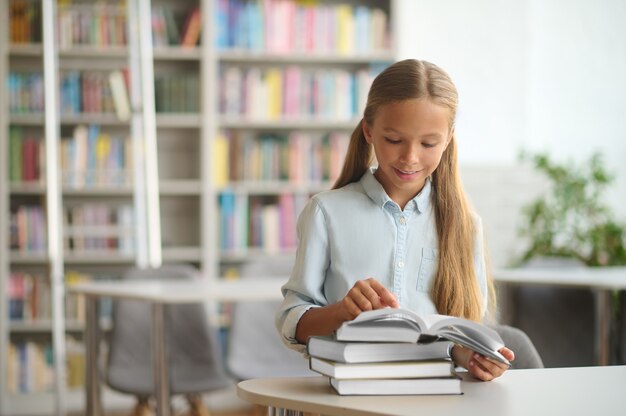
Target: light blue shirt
{"x": 357, "y": 232}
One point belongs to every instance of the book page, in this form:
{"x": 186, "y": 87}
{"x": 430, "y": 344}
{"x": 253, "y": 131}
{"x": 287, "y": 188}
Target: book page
{"x": 390, "y": 314}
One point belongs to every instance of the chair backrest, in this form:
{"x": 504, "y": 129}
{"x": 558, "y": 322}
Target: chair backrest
{"x": 255, "y": 349}
{"x": 526, "y": 355}
{"x": 195, "y": 359}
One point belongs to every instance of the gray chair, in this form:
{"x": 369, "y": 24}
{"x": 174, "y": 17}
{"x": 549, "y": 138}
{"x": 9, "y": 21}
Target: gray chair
{"x": 195, "y": 359}
{"x": 255, "y": 349}
{"x": 526, "y": 355}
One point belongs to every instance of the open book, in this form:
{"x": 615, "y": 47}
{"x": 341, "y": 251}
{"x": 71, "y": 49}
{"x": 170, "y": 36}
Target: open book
{"x": 403, "y": 325}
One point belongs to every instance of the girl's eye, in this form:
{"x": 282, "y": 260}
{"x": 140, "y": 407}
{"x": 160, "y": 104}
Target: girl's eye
{"x": 392, "y": 141}
{"x": 428, "y": 145}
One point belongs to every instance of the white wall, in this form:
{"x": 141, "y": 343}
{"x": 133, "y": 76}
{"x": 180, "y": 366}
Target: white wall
{"x": 540, "y": 75}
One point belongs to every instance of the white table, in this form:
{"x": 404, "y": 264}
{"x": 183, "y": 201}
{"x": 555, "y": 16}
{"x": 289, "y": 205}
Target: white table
{"x": 602, "y": 280}
{"x": 571, "y": 391}
{"x": 159, "y": 293}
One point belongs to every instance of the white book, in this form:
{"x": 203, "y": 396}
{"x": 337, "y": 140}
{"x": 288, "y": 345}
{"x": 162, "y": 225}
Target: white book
{"x": 404, "y": 325}
{"x": 395, "y": 387}
{"x": 366, "y": 352}
{"x": 120, "y": 95}
{"x": 398, "y": 369}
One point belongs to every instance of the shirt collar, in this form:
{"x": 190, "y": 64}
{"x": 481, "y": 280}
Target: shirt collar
{"x": 377, "y": 193}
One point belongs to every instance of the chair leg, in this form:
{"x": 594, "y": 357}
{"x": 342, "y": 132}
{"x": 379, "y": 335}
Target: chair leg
{"x": 196, "y": 405}
{"x": 142, "y": 408}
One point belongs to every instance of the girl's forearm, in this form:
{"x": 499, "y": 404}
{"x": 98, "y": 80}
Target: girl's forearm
{"x": 319, "y": 321}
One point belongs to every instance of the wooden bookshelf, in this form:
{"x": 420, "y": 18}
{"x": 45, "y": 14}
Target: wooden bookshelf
{"x": 189, "y": 141}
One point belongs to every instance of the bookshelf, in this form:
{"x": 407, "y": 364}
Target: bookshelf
{"x": 235, "y": 165}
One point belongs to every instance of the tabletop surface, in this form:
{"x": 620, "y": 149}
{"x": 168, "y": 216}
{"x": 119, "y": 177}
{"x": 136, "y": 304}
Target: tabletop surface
{"x": 184, "y": 291}
{"x": 268, "y": 288}
{"x": 594, "y": 277}
{"x": 555, "y": 391}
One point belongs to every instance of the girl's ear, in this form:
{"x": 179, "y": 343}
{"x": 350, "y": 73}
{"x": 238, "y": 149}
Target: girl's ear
{"x": 367, "y": 132}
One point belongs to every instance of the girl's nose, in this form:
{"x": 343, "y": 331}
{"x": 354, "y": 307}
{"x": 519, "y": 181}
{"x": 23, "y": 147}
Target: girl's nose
{"x": 411, "y": 154}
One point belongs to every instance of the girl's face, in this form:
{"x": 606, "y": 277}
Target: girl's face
{"x": 409, "y": 138}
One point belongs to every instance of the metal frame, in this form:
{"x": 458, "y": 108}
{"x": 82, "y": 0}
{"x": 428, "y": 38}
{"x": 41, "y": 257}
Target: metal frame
{"x": 4, "y": 200}
{"x": 53, "y": 198}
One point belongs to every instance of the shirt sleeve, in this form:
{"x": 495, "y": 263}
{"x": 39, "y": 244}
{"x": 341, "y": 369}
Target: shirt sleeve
{"x": 480, "y": 265}
{"x": 305, "y": 287}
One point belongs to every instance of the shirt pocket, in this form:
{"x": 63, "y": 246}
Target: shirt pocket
{"x": 428, "y": 267}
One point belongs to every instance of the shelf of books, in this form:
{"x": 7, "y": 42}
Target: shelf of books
{"x": 290, "y": 95}
{"x": 252, "y": 119}
{"x": 96, "y": 174}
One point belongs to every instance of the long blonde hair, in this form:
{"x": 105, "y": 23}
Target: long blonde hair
{"x": 455, "y": 290}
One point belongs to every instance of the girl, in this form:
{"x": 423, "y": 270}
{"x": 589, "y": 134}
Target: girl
{"x": 377, "y": 239}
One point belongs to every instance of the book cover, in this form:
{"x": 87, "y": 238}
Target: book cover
{"x": 383, "y": 370}
{"x": 191, "y": 29}
{"x": 403, "y": 325}
{"x": 407, "y": 386}
{"x": 367, "y": 352}
{"x": 121, "y": 101}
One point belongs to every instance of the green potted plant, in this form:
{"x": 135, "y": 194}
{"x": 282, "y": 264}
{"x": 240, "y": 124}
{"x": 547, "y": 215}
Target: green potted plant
{"x": 571, "y": 220}
{"x": 568, "y": 225}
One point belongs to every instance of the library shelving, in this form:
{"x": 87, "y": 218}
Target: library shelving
{"x": 254, "y": 104}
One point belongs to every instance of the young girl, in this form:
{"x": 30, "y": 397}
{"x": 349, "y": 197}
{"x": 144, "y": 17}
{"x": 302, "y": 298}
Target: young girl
{"x": 377, "y": 239}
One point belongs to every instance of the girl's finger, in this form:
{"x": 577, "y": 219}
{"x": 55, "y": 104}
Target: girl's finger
{"x": 476, "y": 369}
{"x": 385, "y": 295}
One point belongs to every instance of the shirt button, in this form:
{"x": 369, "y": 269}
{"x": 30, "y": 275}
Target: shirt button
{"x": 402, "y": 220}
{"x": 400, "y": 264}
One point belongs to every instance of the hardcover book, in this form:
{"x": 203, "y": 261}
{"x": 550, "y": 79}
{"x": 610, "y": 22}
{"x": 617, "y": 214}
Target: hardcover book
{"x": 383, "y": 370}
{"x": 407, "y": 386}
{"x": 367, "y": 352}
{"x": 403, "y": 325}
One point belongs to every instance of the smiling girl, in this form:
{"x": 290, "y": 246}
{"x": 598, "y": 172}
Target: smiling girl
{"x": 399, "y": 234}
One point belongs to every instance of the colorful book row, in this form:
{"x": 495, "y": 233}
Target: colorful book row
{"x": 170, "y": 28}
{"x": 267, "y": 223}
{"x": 28, "y": 229}
{"x": 177, "y": 93}
{"x": 298, "y": 157}
{"x": 26, "y": 156}
{"x": 30, "y": 297}
{"x": 25, "y": 21}
{"x": 30, "y": 366}
{"x": 92, "y": 158}
{"x": 99, "y": 228}
{"x": 101, "y": 92}
{"x": 294, "y": 92}
{"x": 89, "y": 159}
{"x": 89, "y": 227}
{"x": 97, "y": 24}
{"x": 288, "y": 26}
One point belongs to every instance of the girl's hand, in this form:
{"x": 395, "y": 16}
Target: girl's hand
{"x": 366, "y": 295}
{"x": 479, "y": 366}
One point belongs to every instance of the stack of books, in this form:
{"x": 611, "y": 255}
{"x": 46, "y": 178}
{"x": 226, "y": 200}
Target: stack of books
{"x": 384, "y": 368}
{"x": 396, "y": 352}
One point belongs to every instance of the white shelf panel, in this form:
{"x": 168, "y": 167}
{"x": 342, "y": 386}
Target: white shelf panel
{"x": 180, "y": 187}
{"x": 256, "y": 255}
{"x": 287, "y": 124}
{"x": 36, "y": 188}
{"x": 179, "y": 254}
{"x": 25, "y": 258}
{"x": 68, "y": 119}
{"x": 177, "y": 53}
{"x": 95, "y": 257}
{"x": 42, "y": 325}
{"x": 36, "y": 49}
{"x": 316, "y": 58}
{"x": 275, "y": 187}
{"x": 176, "y": 120}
